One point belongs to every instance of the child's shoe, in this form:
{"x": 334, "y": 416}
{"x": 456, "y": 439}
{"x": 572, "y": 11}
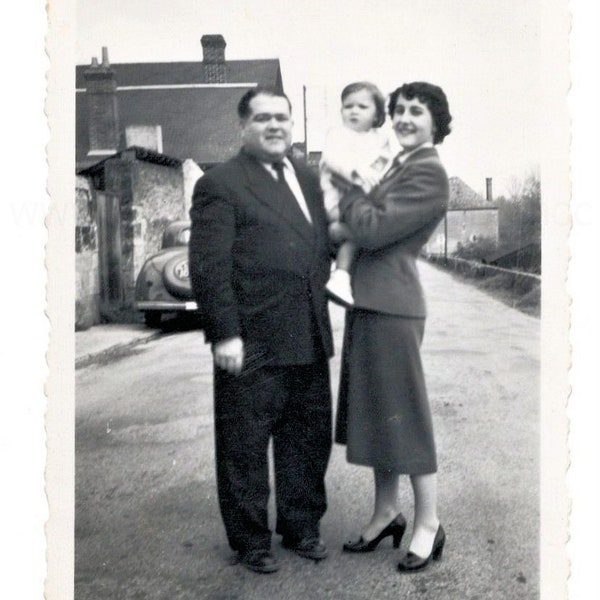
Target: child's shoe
{"x": 339, "y": 289}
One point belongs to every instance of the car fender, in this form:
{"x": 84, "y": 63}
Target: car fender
{"x": 176, "y": 276}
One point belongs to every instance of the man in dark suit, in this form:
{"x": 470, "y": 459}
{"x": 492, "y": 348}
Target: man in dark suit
{"x": 259, "y": 261}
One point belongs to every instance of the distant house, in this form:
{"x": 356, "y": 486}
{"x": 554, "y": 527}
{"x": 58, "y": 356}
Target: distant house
{"x": 144, "y": 133}
{"x": 470, "y": 217}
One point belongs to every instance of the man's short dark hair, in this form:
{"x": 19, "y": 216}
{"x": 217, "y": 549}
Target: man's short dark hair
{"x": 244, "y": 103}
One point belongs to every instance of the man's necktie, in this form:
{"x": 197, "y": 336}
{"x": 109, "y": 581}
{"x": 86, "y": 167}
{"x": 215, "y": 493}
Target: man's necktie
{"x": 279, "y": 167}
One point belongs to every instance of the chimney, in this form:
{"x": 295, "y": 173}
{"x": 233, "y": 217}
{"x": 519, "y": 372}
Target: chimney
{"x": 488, "y": 189}
{"x": 213, "y": 48}
{"x": 103, "y": 117}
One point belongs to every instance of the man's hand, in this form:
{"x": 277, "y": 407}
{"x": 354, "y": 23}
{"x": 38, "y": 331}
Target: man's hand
{"x": 229, "y": 355}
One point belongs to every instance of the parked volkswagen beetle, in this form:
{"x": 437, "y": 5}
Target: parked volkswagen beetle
{"x": 163, "y": 284}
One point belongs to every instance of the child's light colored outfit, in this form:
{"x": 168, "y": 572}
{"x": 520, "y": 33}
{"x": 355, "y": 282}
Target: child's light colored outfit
{"x": 346, "y": 153}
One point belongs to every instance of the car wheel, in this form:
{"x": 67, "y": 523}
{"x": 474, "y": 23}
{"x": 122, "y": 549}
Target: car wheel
{"x": 152, "y": 318}
{"x": 176, "y": 277}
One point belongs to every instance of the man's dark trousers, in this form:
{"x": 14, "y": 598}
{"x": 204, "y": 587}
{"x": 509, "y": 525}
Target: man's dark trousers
{"x": 293, "y": 405}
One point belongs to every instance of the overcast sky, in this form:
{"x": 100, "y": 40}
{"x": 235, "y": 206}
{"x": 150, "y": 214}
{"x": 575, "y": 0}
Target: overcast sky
{"x": 484, "y": 53}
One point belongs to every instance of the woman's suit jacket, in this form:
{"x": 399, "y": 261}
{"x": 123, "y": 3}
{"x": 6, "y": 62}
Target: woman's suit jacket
{"x": 258, "y": 268}
{"x": 390, "y": 226}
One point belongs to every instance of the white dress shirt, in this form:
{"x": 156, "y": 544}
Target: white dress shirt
{"x": 292, "y": 181}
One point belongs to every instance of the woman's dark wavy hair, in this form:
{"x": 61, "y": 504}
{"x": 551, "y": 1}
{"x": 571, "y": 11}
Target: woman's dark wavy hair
{"x": 243, "y": 107}
{"x": 376, "y": 94}
{"x": 433, "y": 97}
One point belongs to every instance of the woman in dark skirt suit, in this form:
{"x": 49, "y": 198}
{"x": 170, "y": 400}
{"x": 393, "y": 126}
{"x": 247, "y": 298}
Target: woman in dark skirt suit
{"x": 383, "y": 412}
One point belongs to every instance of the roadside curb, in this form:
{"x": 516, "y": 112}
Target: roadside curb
{"x": 114, "y": 351}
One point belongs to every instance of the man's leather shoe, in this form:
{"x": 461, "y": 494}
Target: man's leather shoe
{"x": 311, "y": 547}
{"x": 259, "y": 561}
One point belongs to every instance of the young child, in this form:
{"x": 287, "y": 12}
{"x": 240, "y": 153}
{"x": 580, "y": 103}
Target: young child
{"x": 358, "y": 153}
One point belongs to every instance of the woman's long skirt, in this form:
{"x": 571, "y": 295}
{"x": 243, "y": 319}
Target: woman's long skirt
{"x": 383, "y": 412}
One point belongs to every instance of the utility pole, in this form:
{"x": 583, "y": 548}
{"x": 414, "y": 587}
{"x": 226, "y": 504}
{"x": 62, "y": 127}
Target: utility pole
{"x": 305, "y": 123}
{"x": 446, "y": 237}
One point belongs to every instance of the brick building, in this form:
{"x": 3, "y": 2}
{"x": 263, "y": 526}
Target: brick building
{"x": 190, "y": 106}
{"x": 144, "y": 133}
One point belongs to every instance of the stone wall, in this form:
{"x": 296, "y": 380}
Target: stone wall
{"x": 464, "y": 226}
{"x": 471, "y": 225}
{"x": 158, "y": 195}
{"x": 156, "y": 198}
{"x": 138, "y": 198}
{"x": 87, "y": 278}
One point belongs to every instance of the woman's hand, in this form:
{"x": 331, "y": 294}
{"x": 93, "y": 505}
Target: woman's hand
{"x": 367, "y": 179}
{"x": 338, "y": 232}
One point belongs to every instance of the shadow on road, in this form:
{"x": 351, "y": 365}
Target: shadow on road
{"x": 179, "y": 323}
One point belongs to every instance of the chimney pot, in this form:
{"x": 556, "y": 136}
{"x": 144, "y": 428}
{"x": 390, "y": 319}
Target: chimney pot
{"x": 216, "y": 41}
{"x": 488, "y": 189}
{"x": 105, "y": 62}
{"x": 94, "y": 62}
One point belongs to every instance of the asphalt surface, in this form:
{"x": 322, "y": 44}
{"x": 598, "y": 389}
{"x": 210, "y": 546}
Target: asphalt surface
{"x": 147, "y": 520}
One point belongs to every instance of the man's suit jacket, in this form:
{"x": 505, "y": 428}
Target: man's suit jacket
{"x": 390, "y": 226}
{"x": 257, "y": 266}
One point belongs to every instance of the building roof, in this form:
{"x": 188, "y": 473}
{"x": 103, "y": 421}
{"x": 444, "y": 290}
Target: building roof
{"x": 462, "y": 197}
{"x": 96, "y": 170}
{"x": 198, "y": 119}
{"x": 265, "y": 71}
{"x": 143, "y": 154}
{"x": 531, "y": 246}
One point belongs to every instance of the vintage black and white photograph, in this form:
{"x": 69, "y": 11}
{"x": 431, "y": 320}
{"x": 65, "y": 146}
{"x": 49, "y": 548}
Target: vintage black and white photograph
{"x": 299, "y": 377}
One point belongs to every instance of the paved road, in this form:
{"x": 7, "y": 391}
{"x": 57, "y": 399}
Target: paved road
{"x": 147, "y": 521}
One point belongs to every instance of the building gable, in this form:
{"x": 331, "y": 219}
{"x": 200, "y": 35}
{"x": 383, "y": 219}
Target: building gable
{"x": 462, "y": 197}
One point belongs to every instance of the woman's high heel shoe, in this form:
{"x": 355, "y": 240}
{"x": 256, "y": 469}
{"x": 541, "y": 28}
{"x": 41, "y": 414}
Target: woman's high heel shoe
{"x": 395, "y": 529}
{"x": 413, "y": 562}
